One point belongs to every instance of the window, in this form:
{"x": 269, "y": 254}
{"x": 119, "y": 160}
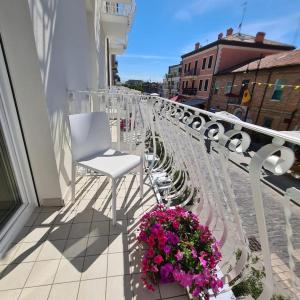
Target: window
{"x": 184, "y": 68}
{"x": 182, "y": 84}
{"x": 210, "y": 61}
{"x": 189, "y": 68}
{"x": 268, "y": 122}
{"x": 193, "y": 84}
{"x": 200, "y": 85}
{"x": 216, "y": 88}
{"x": 228, "y": 87}
{"x": 206, "y": 85}
{"x": 203, "y": 63}
{"x": 278, "y": 89}
{"x": 196, "y": 65}
{"x": 186, "y": 84}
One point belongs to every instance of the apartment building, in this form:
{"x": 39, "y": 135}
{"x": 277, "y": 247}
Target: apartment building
{"x": 48, "y": 49}
{"x": 171, "y": 83}
{"x": 199, "y": 65}
{"x": 273, "y": 84}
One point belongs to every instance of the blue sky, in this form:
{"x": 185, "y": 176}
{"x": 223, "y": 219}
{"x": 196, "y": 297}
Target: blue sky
{"x": 165, "y": 29}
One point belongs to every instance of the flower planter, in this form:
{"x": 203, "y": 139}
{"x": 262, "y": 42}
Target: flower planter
{"x": 179, "y": 249}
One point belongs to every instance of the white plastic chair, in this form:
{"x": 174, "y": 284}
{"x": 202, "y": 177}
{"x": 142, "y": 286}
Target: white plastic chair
{"x": 91, "y": 149}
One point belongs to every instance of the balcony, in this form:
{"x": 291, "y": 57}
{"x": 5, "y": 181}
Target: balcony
{"x": 192, "y": 72}
{"x": 117, "y": 17}
{"x": 189, "y": 91}
{"x": 243, "y": 190}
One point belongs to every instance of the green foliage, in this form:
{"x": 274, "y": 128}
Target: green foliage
{"x": 279, "y": 297}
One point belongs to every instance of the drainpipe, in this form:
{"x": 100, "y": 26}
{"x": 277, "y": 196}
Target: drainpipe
{"x": 253, "y": 87}
{"x": 108, "y": 62}
{"x": 263, "y": 97}
{"x": 212, "y": 80}
{"x": 234, "y": 76}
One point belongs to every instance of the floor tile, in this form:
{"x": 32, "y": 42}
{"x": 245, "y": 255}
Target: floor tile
{"x": 92, "y": 289}
{"x": 120, "y": 227}
{"x": 37, "y": 234}
{"x": 84, "y": 216}
{"x": 42, "y": 273}
{"x": 10, "y": 295}
{"x": 118, "y": 288}
{"x": 35, "y": 293}
{"x": 64, "y": 291}
{"x": 14, "y": 276}
{"x": 31, "y": 219}
{"x": 79, "y": 230}
{"x": 66, "y": 217}
{"x": 118, "y": 243}
{"x": 99, "y": 228}
{"x": 178, "y": 298}
{"x": 45, "y": 218}
{"x": 52, "y": 250}
{"x": 69, "y": 270}
{"x": 100, "y": 215}
{"x": 171, "y": 290}
{"x": 140, "y": 292}
{"x": 97, "y": 245}
{"x": 27, "y": 252}
{"x": 94, "y": 267}
{"x": 9, "y": 254}
{"x": 118, "y": 264}
{"x": 59, "y": 232}
{"x": 22, "y": 234}
{"x": 75, "y": 247}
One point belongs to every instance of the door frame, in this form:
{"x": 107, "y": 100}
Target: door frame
{"x": 16, "y": 146}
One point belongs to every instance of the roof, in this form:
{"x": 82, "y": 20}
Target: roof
{"x": 243, "y": 40}
{"x": 283, "y": 59}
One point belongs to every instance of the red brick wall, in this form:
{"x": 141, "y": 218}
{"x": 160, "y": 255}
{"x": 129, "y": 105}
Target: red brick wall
{"x": 279, "y": 111}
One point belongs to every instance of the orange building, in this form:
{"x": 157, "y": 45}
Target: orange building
{"x": 199, "y": 66}
{"x": 273, "y": 87}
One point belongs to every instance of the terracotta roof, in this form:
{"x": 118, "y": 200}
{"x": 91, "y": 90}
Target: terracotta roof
{"x": 243, "y": 40}
{"x": 282, "y": 59}
{"x": 246, "y": 38}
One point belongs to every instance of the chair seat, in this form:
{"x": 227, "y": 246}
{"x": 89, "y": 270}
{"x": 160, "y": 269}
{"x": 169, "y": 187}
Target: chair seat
{"x": 112, "y": 163}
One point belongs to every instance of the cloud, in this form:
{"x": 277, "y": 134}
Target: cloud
{"x": 151, "y": 57}
{"x": 281, "y": 29}
{"x": 198, "y": 7}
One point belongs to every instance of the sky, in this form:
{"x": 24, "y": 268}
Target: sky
{"x": 163, "y": 30}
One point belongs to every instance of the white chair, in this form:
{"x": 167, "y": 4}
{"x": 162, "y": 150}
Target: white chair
{"x": 91, "y": 149}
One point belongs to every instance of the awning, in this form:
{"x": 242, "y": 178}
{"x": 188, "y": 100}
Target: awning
{"x": 195, "y": 102}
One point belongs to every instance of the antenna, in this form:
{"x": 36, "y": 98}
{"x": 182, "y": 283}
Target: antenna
{"x": 244, "y": 5}
{"x": 296, "y": 33}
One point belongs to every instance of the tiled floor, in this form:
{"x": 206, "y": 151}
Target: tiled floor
{"x": 75, "y": 252}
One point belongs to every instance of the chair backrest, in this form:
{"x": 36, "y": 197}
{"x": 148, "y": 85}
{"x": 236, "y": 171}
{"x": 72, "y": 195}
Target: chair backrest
{"x": 90, "y": 134}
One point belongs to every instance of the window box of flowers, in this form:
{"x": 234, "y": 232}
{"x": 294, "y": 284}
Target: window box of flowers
{"x": 179, "y": 249}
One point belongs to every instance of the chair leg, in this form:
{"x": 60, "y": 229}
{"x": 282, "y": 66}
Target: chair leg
{"x": 73, "y": 182}
{"x": 141, "y": 180}
{"x": 114, "y": 200}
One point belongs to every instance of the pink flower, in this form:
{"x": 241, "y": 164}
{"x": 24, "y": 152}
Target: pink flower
{"x": 202, "y": 260}
{"x": 186, "y": 280}
{"x": 158, "y": 259}
{"x": 150, "y": 252}
{"x": 167, "y": 249}
{"x": 179, "y": 255}
{"x": 175, "y": 224}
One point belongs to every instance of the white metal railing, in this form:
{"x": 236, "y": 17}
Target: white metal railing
{"x": 119, "y": 9}
{"x": 189, "y": 154}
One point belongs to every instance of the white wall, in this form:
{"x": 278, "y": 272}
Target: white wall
{"x": 65, "y": 41}
{"x": 19, "y": 44}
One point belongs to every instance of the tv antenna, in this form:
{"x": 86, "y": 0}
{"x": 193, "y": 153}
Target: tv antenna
{"x": 244, "y": 5}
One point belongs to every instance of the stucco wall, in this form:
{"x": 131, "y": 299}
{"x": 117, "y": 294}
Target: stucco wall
{"x": 65, "y": 41}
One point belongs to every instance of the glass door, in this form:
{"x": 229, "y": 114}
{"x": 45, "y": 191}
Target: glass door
{"x": 10, "y": 199}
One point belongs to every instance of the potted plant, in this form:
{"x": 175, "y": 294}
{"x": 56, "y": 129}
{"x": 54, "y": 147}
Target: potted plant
{"x": 179, "y": 249}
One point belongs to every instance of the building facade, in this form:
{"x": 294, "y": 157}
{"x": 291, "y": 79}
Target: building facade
{"x": 273, "y": 84}
{"x": 199, "y": 66}
{"x": 47, "y": 50}
{"x": 171, "y": 83}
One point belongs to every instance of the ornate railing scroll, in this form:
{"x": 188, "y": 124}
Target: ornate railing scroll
{"x": 200, "y": 147}
{"x": 209, "y": 164}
